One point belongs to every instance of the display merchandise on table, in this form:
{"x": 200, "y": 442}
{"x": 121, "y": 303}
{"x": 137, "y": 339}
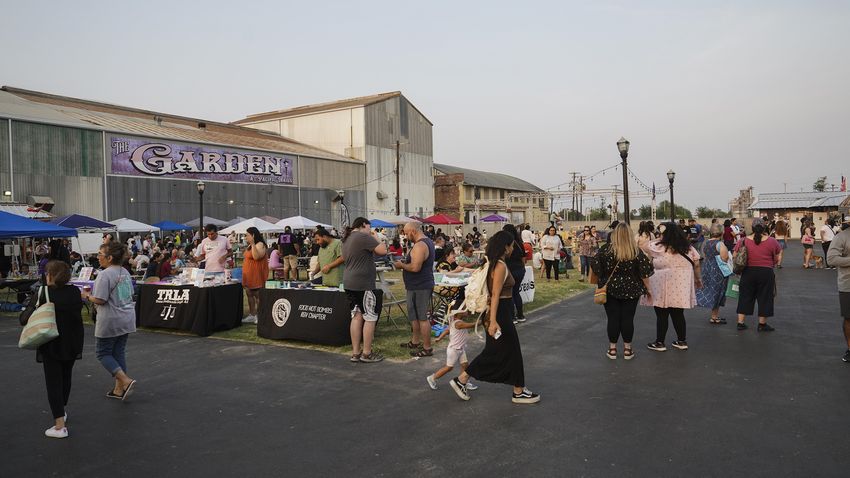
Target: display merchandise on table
{"x": 212, "y": 307}
{"x": 451, "y": 279}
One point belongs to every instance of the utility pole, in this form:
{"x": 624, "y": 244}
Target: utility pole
{"x": 573, "y": 190}
{"x": 397, "y": 178}
{"x": 581, "y": 196}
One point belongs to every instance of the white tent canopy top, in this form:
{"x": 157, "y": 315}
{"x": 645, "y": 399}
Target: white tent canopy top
{"x": 397, "y": 220}
{"x": 300, "y": 222}
{"x": 235, "y": 220}
{"x": 207, "y": 220}
{"x": 242, "y": 227}
{"x": 129, "y": 225}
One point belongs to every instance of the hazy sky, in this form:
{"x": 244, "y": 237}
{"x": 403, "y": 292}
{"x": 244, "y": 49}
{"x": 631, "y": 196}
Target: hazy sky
{"x": 726, "y": 93}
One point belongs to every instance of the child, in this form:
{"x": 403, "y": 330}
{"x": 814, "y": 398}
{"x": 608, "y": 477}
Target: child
{"x": 455, "y": 351}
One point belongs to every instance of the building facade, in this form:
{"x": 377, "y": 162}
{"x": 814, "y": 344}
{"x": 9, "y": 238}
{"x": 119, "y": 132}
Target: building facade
{"x": 740, "y": 206}
{"x": 108, "y": 162}
{"x": 817, "y": 206}
{"x": 471, "y": 195}
{"x": 381, "y": 130}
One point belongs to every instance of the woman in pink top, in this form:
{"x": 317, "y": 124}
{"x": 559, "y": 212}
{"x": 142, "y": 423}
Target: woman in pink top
{"x": 673, "y": 286}
{"x": 758, "y": 283}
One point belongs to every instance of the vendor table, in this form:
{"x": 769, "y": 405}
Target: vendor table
{"x": 200, "y": 310}
{"x": 312, "y": 315}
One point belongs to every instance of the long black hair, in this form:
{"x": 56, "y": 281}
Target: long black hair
{"x": 357, "y": 224}
{"x": 646, "y": 228}
{"x": 496, "y": 247}
{"x": 758, "y": 232}
{"x": 674, "y": 238}
{"x": 255, "y": 233}
{"x": 512, "y": 230}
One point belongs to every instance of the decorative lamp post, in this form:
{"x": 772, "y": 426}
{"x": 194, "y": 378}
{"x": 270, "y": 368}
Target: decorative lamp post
{"x": 201, "y": 187}
{"x": 623, "y": 147}
{"x": 671, "y": 175}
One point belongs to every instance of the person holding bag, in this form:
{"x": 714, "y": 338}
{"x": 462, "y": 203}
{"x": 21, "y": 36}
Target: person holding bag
{"x": 58, "y": 355}
{"x": 673, "y": 286}
{"x": 715, "y": 274}
{"x": 758, "y": 282}
{"x": 624, "y": 272}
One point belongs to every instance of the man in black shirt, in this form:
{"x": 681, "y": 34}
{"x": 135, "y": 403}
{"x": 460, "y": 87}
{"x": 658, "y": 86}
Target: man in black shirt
{"x": 290, "y": 249}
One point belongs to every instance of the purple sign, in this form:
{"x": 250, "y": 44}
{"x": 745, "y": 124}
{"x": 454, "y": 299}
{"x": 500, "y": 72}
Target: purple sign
{"x": 149, "y": 157}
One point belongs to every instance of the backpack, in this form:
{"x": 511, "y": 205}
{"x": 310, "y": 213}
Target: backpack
{"x": 477, "y": 298}
{"x": 739, "y": 259}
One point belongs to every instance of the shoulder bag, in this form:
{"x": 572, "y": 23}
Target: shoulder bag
{"x": 41, "y": 325}
{"x": 725, "y": 267}
{"x": 740, "y": 258}
{"x": 600, "y": 295}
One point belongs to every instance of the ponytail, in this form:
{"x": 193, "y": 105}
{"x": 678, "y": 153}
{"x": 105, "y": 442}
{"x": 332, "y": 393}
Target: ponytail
{"x": 758, "y": 230}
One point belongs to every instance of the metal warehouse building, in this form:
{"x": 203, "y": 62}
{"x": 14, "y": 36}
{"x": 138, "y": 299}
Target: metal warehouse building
{"x": 110, "y": 161}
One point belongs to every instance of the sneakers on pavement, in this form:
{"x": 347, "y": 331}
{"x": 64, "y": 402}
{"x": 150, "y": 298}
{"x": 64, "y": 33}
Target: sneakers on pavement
{"x": 521, "y": 319}
{"x": 765, "y": 328}
{"x": 527, "y": 396}
{"x": 431, "y": 382}
{"x": 460, "y": 389}
{"x": 52, "y": 432}
{"x": 471, "y": 386}
{"x": 251, "y": 319}
{"x": 657, "y": 346}
{"x": 681, "y": 345}
{"x": 741, "y": 326}
{"x": 373, "y": 357}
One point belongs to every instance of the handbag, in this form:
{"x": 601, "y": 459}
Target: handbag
{"x": 41, "y": 325}
{"x": 733, "y": 288}
{"x": 725, "y": 267}
{"x": 600, "y": 295}
{"x": 740, "y": 258}
{"x": 807, "y": 240}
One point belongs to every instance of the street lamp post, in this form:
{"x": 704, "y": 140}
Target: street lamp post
{"x": 623, "y": 147}
{"x": 201, "y": 187}
{"x": 671, "y": 175}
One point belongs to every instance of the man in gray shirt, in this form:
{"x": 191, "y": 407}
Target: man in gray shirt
{"x": 838, "y": 255}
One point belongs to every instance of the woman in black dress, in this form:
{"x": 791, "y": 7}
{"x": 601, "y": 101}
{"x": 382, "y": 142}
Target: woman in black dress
{"x": 501, "y": 359}
{"x": 515, "y": 260}
{"x": 59, "y": 354}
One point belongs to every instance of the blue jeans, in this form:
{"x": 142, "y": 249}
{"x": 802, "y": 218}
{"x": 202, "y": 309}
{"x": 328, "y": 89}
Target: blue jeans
{"x": 110, "y": 352}
{"x": 585, "y": 265}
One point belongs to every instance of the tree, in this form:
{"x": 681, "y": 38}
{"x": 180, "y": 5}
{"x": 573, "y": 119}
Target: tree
{"x": 664, "y": 210}
{"x": 645, "y": 212}
{"x": 705, "y": 212}
{"x": 599, "y": 214}
{"x": 820, "y": 184}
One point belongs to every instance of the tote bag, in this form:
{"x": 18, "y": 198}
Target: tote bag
{"x": 725, "y": 267}
{"x": 732, "y": 288}
{"x": 526, "y": 287}
{"x": 41, "y": 326}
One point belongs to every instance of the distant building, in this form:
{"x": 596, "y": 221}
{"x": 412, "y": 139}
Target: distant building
{"x": 373, "y": 129}
{"x": 470, "y": 195}
{"x": 817, "y": 205}
{"x": 740, "y": 206}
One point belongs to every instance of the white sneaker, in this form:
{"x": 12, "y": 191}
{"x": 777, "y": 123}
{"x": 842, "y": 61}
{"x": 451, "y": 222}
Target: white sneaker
{"x": 471, "y": 386}
{"x": 251, "y": 319}
{"x": 431, "y": 382}
{"x": 66, "y": 417}
{"x": 52, "y": 432}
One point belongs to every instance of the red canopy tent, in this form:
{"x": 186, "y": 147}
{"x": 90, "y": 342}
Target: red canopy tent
{"x": 441, "y": 219}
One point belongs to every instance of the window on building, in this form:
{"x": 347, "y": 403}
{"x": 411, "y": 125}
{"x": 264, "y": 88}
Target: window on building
{"x": 477, "y": 192}
{"x": 501, "y": 194}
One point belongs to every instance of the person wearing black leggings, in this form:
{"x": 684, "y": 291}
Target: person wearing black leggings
{"x": 675, "y": 314}
{"x": 516, "y": 266}
{"x": 58, "y": 355}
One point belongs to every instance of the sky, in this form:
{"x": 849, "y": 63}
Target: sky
{"x": 728, "y": 94}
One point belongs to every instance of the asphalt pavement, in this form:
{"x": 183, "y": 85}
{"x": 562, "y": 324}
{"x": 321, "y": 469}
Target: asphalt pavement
{"x": 735, "y": 404}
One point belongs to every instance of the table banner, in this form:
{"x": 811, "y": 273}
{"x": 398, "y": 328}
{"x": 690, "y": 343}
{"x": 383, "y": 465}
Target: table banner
{"x": 316, "y": 316}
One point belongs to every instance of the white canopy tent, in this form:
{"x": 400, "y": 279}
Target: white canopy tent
{"x": 241, "y": 228}
{"x": 129, "y": 225}
{"x": 235, "y": 220}
{"x": 207, "y": 220}
{"x": 300, "y": 222}
{"x": 397, "y": 220}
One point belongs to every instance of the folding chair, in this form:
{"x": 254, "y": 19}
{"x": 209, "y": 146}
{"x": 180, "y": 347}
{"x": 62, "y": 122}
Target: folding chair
{"x": 389, "y": 301}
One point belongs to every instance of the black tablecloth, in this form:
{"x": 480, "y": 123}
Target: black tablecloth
{"x": 316, "y": 316}
{"x": 200, "y": 310}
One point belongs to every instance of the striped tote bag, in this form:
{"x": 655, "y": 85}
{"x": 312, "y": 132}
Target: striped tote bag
{"x": 41, "y": 326}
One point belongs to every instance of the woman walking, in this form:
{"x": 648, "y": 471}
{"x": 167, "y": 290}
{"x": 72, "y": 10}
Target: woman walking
{"x": 827, "y": 234}
{"x": 550, "y": 246}
{"x": 781, "y": 235}
{"x": 501, "y": 359}
{"x": 112, "y": 295}
{"x": 673, "y": 286}
{"x": 587, "y": 247}
{"x": 728, "y": 234}
{"x": 758, "y": 283}
{"x": 516, "y": 265}
{"x": 624, "y": 270}
{"x": 255, "y": 271}
{"x": 58, "y": 355}
{"x": 808, "y": 242}
{"x": 712, "y": 295}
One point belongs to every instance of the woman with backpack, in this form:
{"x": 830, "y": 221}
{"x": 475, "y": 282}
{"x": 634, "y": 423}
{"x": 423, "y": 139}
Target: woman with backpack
{"x": 501, "y": 359}
{"x": 624, "y": 271}
{"x": 758, "y": 282}
{"x": 673, "y": 286}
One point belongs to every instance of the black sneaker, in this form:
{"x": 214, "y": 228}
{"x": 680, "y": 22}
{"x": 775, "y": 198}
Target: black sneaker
{"x": 373, "y": 357}
{"x": 681, "y": 345}
{"x": 521, "y": 319}
{"x": 742, "y": 326}
{"x": 460, "y": 389}
{"x": 846, "y": 357}
{"x": 765, "y": 328}
{"x": 526, "y": 396}
{"x": 657, "y": 346}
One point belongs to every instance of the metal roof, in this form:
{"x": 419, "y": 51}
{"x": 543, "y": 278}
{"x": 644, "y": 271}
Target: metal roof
{"x": 322, "y": 107}
{"x": 798, "y": 200}
{"x": 46, "y": 108}
{"x": 474, "y": 177}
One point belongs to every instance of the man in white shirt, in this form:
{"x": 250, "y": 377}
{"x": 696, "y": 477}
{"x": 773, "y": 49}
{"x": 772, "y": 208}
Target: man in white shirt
{"x": 827, "y": 234}
{"x": 527, "y": 235}
{"x": 215, "y": 250}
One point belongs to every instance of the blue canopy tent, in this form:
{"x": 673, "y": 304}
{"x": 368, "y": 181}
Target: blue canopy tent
{"x": 380, "y": 223}
{"x": 13, "y": 226}
{"x": 171, "y": 226}
{"x": 78, "y": 221}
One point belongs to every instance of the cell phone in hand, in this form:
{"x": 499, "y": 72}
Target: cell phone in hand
{"x": 497, "y": 334}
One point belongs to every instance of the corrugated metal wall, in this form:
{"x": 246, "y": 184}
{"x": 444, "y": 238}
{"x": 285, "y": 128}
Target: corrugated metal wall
{"x": 153, "y": 200}
{"x": 384, "y": 127}
{"x": 63, "y": 163}
{"x": 5, "y": 179}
